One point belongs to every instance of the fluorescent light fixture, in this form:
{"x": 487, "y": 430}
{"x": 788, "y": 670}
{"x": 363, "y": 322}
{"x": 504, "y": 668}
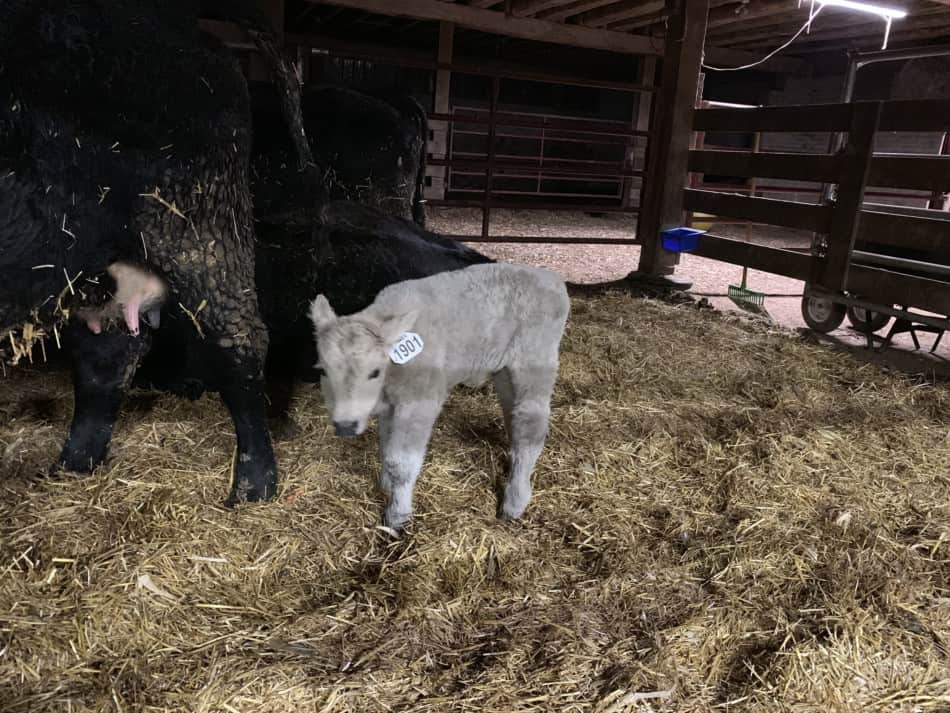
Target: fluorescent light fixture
{"x": 885, "y": 13}
{"x": 888, "y": 13}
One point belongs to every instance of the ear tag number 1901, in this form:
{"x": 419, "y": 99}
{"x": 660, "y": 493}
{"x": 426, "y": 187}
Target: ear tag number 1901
{"x": 407, "y": 348}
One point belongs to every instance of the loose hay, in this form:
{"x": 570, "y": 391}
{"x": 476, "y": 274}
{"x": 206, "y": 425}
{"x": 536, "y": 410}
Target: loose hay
{"x": 726, "y": 518}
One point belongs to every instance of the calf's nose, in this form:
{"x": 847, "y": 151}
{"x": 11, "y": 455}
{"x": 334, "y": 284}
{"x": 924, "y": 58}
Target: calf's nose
{"x": 345, "y": 428}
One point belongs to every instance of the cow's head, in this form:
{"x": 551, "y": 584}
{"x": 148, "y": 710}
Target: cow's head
{"x": 354, "y": 359}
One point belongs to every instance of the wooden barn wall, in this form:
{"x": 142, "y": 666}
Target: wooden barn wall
{"x": 875, "y": 81}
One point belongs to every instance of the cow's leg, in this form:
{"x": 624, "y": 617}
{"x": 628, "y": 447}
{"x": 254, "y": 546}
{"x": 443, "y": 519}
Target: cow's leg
{"x": 280, "y": 373}
{"x": 404, "y": 436}
{"x": 255, "y": 470}
{"x": 102, "y": 366}
{"x": 232, "y": 350}
{"x": 207, "y": 258}
{"x": 530, "y": 411}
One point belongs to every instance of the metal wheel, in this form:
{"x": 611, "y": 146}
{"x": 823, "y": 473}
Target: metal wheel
{"x": 859, "y": 319}
{"x": 821, "y": 313}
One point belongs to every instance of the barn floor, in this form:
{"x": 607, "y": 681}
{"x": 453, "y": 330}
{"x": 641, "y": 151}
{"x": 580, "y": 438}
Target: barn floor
{"x": 743, "y": 521}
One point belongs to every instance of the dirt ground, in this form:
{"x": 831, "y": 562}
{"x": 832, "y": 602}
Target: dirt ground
{"x": 711, "y": 279}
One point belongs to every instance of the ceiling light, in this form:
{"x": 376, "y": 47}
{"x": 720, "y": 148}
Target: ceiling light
{"x": 885, "y": 13}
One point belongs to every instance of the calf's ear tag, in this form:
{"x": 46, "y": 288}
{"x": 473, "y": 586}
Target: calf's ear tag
{"x": 407, "y": 348}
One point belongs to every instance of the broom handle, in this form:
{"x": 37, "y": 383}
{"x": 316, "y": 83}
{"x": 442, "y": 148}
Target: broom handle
{"x": 745, "y": 271}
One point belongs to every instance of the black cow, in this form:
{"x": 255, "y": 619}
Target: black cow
{"x": 125, "y": 136}
{"x": 371, "y": 149}
{"x": 357, "y": 251}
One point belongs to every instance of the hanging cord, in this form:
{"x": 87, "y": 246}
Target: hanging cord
{"x": 804, "y": 28}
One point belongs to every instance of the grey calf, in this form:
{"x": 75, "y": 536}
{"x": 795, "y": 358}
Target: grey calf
{"x": 500, "y": 321}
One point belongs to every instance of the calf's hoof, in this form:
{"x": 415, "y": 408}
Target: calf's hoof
{"x": 396, "y": 520}
{"x": 506, "y": 512}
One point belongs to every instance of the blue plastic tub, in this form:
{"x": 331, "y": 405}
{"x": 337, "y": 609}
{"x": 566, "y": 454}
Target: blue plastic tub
{"x": 681, "y": 240}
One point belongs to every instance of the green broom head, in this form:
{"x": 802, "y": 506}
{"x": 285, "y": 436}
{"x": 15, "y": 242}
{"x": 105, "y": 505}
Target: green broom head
{"x": 748, "y": 300}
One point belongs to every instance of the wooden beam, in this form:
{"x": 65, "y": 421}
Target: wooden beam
{"x": 732, "y": 32}
{"x": 886, "y": 286}
{"x": 526, "y": 8}
{"x": 792, "y": 167}
{"x": 867, "y": 42}
{"x": 672, "y": 128}
{"x": 727, "y": 57}
{"x": 922, "y": 173}
{"x": 763, "y": 8}
{"x": 407, "y": 57}
{"x": 617, "y": 11}
{"x": 500, "y": 24}
{"x": 869, "y": 31}
{"x": 856, "y": 165}
{"x": 757, "y": 257}
{"x": 916, "y": 115}
{"x": 823, "y": 117}
{"x": 928, "y": 237}
{"x": 572, "y": 8}
{"x": 634, "y": 22}
{"x": 788, "y": 214}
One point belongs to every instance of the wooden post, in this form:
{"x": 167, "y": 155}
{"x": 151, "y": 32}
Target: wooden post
{"x": 490, "y": 170}
{"x": 753, "y": 183}
{"x": 940, "y": 200}
{"x": 846, "y": 216}
{"x": 699, "y": 142}
{"x": 641, "y": 122}
{"x": 439, "y": 145}
{"x": 671, "y": 132}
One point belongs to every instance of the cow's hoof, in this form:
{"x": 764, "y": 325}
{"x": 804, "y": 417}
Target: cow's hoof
{"x": 80, "y": 461}
{"x": 60, "y": 470}
{"x": 246, "y": 490}
{"x": 283, "y": 428}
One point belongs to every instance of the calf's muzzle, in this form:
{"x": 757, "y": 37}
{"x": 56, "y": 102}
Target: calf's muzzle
{"x": 345, "y": 428}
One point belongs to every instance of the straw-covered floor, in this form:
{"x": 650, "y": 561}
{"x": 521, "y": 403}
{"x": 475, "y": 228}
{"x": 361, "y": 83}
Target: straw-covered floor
{"x": 725, "y": 518}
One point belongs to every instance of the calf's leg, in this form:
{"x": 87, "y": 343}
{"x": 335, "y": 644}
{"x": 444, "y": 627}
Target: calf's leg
{"x": 102, "y": 368}
{"x": 404, "y": 432}
{"x": 528, "y": 426}
{"x": 505, "y": 391}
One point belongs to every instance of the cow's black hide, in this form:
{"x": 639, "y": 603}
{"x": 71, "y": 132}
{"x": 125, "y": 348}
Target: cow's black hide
{"x": 371, "y": 149}
{"x": 125, "y": 135}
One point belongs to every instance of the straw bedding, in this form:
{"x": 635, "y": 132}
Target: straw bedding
{"x": 725, "y": 518}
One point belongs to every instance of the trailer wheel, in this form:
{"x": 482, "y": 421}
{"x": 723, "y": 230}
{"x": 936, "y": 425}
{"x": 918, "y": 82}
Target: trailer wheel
{"x": 821, "y": 313}
{"x": 859, "y": 318}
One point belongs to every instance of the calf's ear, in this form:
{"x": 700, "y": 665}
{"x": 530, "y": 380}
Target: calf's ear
{"x": 321, "y": 313}
{"x": 393, "y": 326}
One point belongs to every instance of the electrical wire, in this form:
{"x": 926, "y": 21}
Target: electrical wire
{"x": 774, "y": 52}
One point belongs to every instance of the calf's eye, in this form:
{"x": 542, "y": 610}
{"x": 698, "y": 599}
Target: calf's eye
{"x": 374, "y": 374}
